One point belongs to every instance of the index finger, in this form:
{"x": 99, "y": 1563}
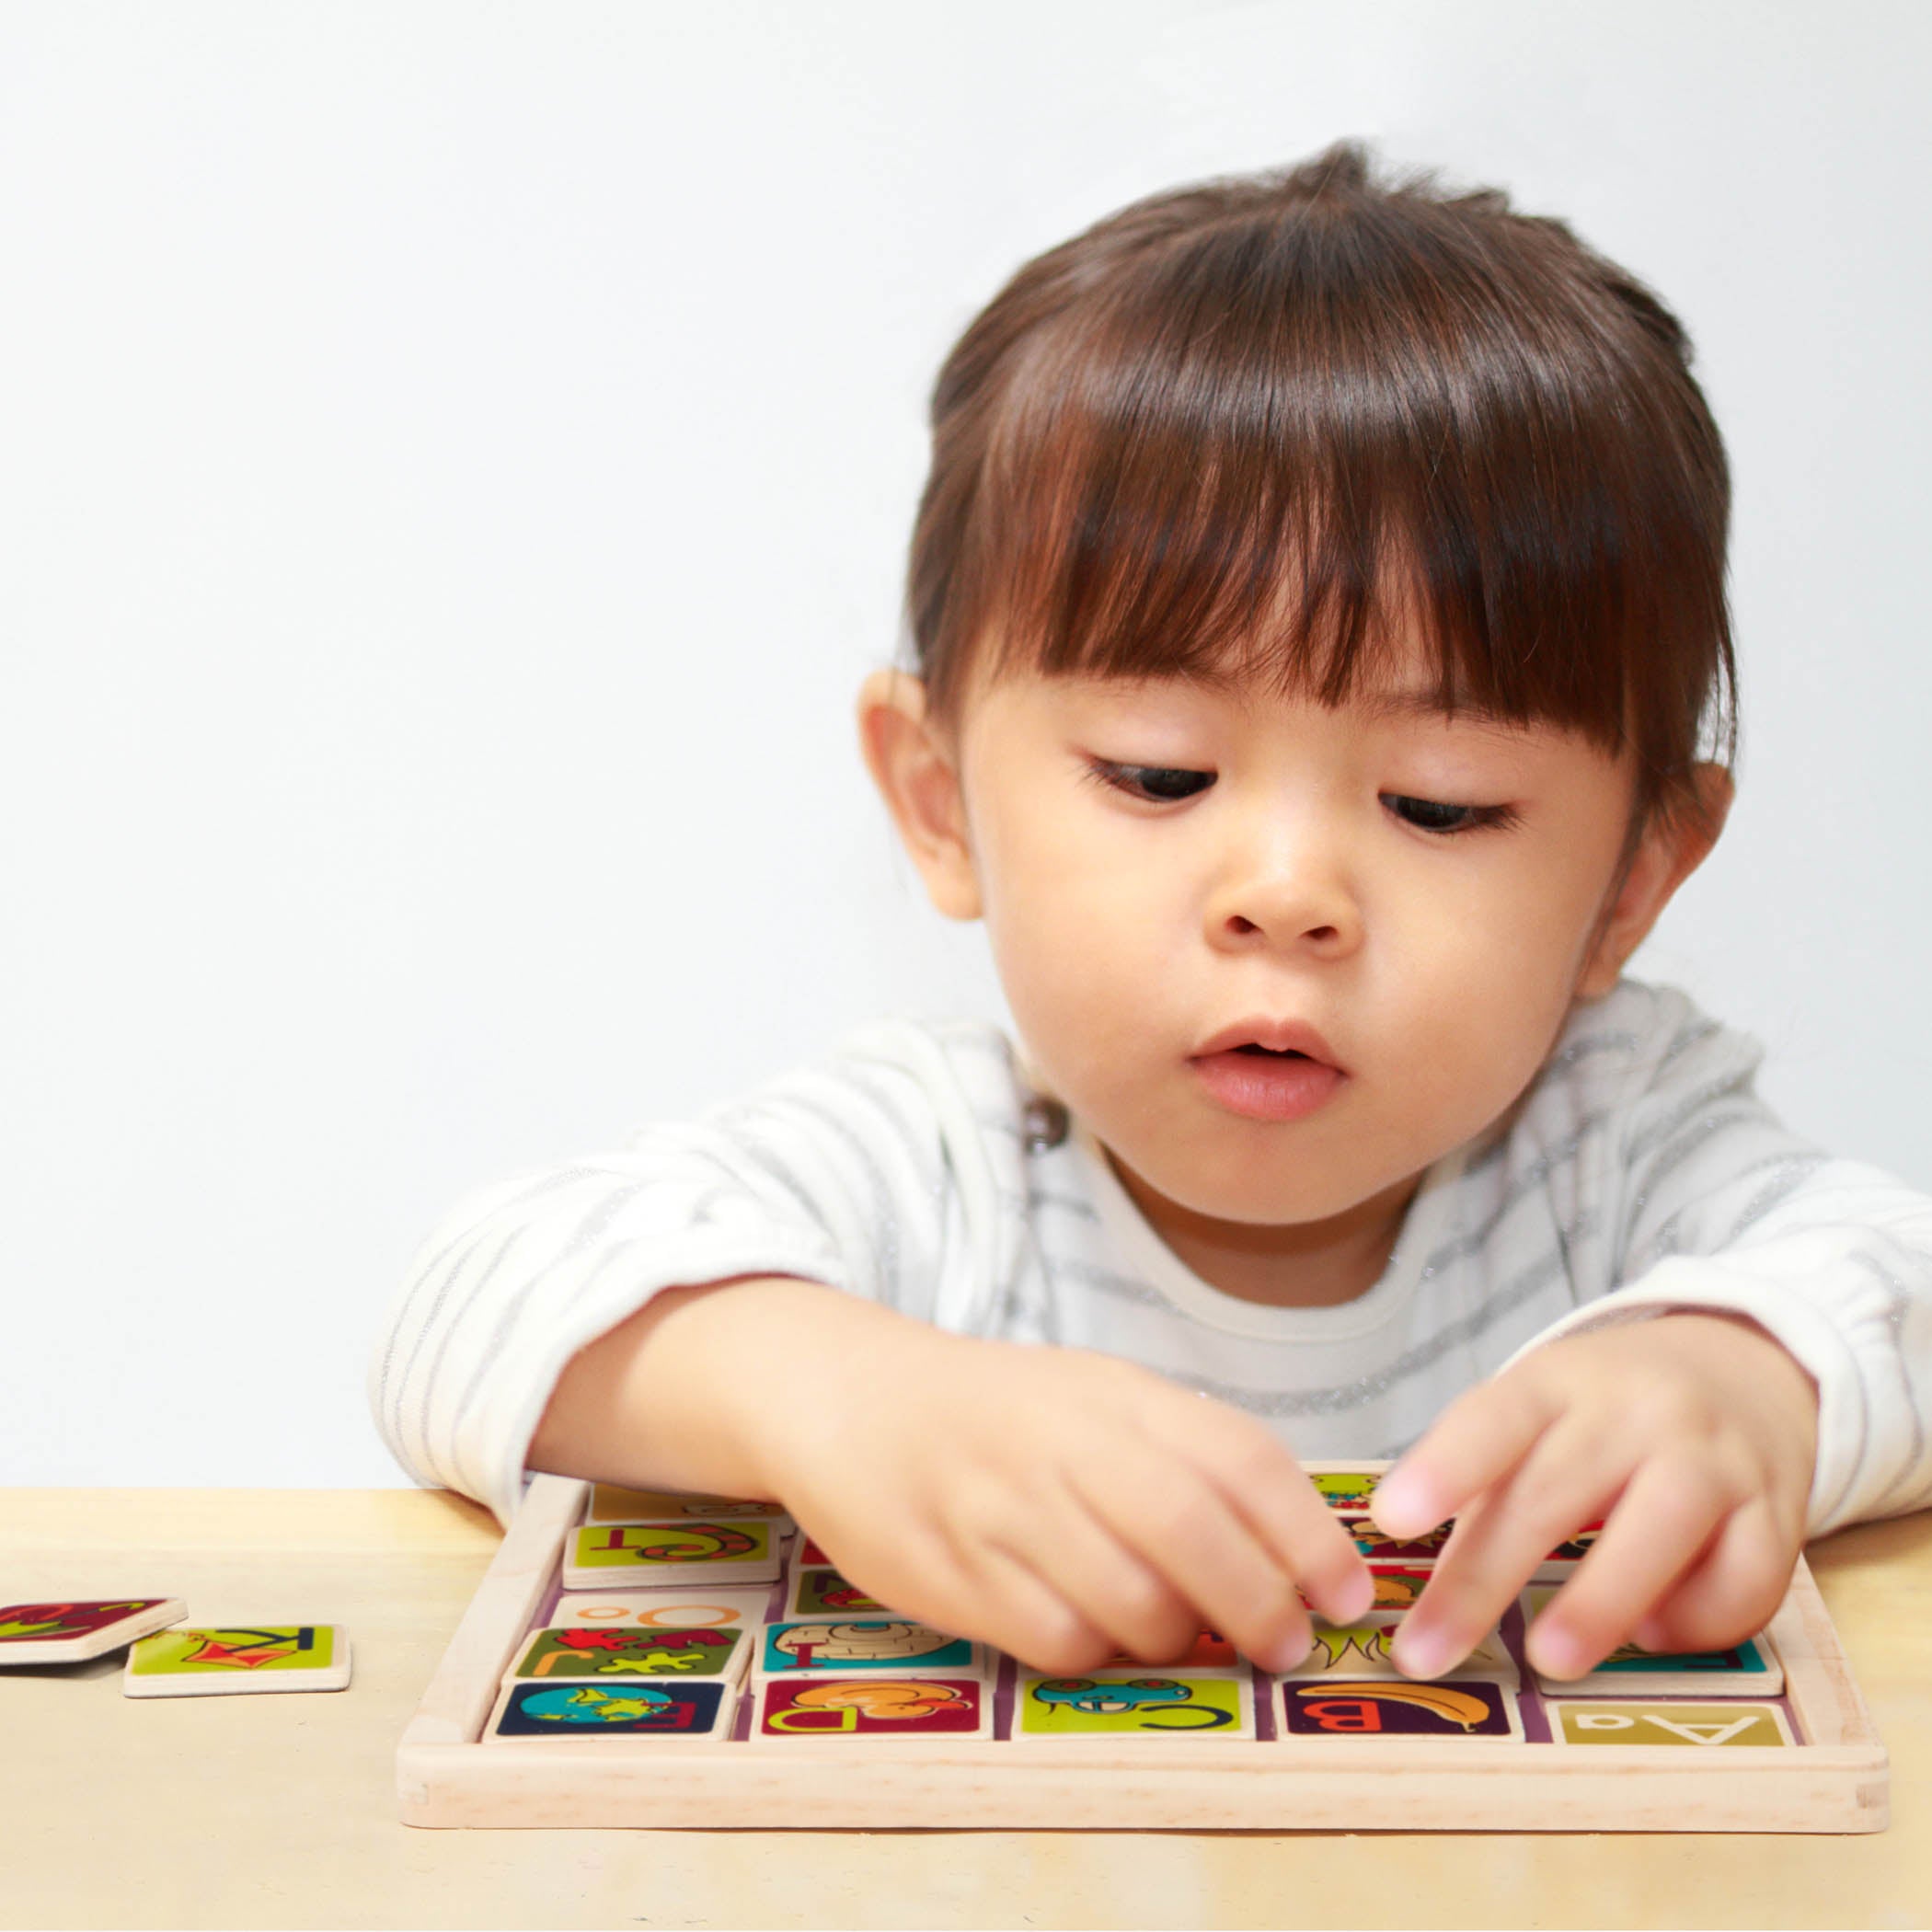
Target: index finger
{"x": 1470, "y": 1447}
{"x": 1271, "y": 1492}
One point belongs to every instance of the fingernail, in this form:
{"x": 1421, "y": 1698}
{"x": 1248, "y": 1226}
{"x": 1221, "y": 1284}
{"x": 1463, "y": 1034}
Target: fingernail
{"x": 1290, "y": 1655}
{"x": 1398, "y": 1510}
{"x": 1557, "y": 1651}
{"x": 1420, "y": 1653}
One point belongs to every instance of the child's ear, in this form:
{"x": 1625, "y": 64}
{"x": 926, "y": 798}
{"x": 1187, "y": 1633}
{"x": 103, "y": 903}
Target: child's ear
{"x": 915, "y": 767}
{"x": 1672, "y": 845}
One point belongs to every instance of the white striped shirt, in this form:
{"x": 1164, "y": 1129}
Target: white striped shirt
{"x": 915, "y": 1166}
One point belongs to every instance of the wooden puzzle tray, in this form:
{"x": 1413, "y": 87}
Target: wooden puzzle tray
{"x": 1705, "y": 1775}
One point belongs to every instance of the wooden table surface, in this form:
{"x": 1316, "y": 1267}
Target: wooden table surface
{"x": 281, "y": 1811}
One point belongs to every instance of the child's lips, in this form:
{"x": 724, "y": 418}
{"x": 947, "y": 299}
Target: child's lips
{"x": 1263, "y": 1086}
{"x": 1269, "y": 1069}
{"x": 1278, "y": 1036}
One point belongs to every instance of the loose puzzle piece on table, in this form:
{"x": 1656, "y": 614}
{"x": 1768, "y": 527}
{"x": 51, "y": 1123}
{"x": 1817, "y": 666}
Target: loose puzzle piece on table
{"x": 71, "y": 1633}
{"x": 1143, "y": 1702}
{"x": 188, "y": 1662}
{"x": 628, "y": 1655}
{"x": 1750, "y": 1669}
{"x": 822, "y": 1705}
{"x": 719, "y": 1550}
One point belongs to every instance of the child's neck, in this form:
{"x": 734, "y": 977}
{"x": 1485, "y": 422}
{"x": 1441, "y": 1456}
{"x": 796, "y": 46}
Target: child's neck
{"x": 1317, "y": 1264}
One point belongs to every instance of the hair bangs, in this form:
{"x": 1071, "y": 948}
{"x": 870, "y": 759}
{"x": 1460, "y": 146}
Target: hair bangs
{"x": 1304, "y": 434}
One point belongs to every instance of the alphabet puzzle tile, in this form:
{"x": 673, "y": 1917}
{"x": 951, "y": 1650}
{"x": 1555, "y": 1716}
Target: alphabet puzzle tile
{"x": 711, "y": 1549}
{"x": 1209, "y": 1652}
{"x": 1379, "y": 1708}
{"x": 611, "y": 1503}
{"x": 1362, "y": 1649}
{"x": 1142, "y": 1703}
{"x": 822, "y": 1592}
{"x": 674, "y": 1710}
{"x": 697, "y": 1609}
{"x": 1348, "y": 1491}
{"x": 1380, "y": 1548}
{"x": 877, "y": 1646}
{"x": 626, "y": 1655}
{"x": 1750, "y": 1669}
{"x": 1398, "y": 1586}
{"x": 822, "y": 1705}
{"x": 71, "y": 1633}
{"x": 187, "y": 1663}
{"x": 1596, "y": 1721}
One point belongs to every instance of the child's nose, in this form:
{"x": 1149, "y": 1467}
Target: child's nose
{"x": 1300, "y": 901}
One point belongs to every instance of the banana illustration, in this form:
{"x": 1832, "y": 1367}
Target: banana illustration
{"x": 1459, "y": 1707}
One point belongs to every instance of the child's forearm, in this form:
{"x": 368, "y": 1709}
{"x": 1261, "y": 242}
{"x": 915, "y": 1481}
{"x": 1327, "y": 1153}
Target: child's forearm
{"x": 677, "y": 1396}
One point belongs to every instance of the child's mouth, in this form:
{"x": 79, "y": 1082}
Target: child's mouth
{"x": 1268, "y": 1082}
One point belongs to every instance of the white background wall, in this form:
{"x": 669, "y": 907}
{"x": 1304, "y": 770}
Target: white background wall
{"x": 455, "y": 462}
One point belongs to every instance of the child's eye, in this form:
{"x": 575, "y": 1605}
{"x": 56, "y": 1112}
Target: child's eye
{"x": 1157, "y": 784}
{"x": 1432, "y": 815}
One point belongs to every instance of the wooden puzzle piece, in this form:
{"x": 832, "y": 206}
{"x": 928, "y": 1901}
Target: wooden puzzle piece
{"x": 660, "y": 1609}
{"x": 73, "y": 1632}
{"x": 877, "y": 1646}
{"x": 1381, "y": 1548}
{"x": 1347, "y": 1487}
{"x": 822, "y": 1592}
{"x": 824, "y": 1705}
{"x": 1140, "y": 1703}
{"x": 740, "y": 1550}
{"x": 538, "y": 1711}
{"x": 611, "y": 1503}
{"x": 1561, "y": 1564}
{"x": 1594, "y": 1721}
{"x": 1209, "y": 1652}
{"x": 1750, "y": 1669}
{"x": 1362, "y": 1649}
{"x": 624, "y": 1655}
{"x": 1377, "y": 1708}
{"x": 1398, "y": 1586}
{"x": 207, "y": 1662}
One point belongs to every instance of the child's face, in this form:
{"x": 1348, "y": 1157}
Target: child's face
{"x": 1433, "y": 949}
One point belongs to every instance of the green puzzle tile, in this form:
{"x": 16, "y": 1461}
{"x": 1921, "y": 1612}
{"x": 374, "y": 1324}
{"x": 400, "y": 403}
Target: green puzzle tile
{"x": 224, "y": 1653}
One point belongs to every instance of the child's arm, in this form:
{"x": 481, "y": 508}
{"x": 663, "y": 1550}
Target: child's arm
{"x": 1060, "y": 1504}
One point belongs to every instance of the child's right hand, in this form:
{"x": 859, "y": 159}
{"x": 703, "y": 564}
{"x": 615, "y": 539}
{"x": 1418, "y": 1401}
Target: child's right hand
{"x": 1061, "y": 1504}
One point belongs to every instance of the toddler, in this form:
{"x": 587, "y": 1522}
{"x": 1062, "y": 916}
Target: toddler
{"x": 1322, "y": 683}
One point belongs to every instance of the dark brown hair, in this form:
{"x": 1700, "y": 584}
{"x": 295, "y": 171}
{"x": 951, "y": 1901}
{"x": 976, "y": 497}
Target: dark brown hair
{"x": 1242, "y": 428}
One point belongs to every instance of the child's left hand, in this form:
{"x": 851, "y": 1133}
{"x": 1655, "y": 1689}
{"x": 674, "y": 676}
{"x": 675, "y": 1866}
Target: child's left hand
{"x": 1693, "y": 1434}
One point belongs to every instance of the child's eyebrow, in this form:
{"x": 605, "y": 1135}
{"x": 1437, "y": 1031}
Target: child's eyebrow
{"x": 1390, "y": 704}
{"x": 1426, "y": 701}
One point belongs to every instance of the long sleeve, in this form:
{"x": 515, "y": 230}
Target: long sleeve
{"x": 1708, "y": 1202}
{"x": 876, "y": 1171}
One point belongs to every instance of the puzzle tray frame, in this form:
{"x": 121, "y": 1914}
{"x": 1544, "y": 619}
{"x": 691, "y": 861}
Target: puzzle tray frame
{"x": 1836, "y": 1781}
